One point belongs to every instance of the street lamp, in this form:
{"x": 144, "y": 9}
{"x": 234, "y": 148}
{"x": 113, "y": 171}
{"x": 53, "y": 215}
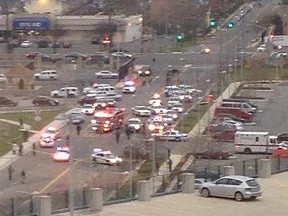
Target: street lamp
{"x": 151, "y": 128}
{"x": 223, "y": 73}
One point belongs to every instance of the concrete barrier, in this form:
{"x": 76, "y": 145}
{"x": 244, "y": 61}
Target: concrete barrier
{"x": 229, "y": 170}
{"x": 265, "y": 168}
{"x": 96, "y": 199}
{"x": 188, "y": 180}
{"x": 144, "y": 191}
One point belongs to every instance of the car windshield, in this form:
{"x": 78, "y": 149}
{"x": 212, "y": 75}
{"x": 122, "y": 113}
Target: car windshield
{"x": 109, "y": 155}
{"x": 252, "y": 183}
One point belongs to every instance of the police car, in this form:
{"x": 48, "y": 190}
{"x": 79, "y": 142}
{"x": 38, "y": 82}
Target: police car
{"x": 62, "y": 154}
{"x": 46, "y": 141}
{"x": 51, "y": 132}
{"x": 105, "y": 157}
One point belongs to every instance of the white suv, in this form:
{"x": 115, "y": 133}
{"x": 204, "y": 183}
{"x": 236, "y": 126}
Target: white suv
{"x": 46, "y": 75}
{"x": 65, "y": 92}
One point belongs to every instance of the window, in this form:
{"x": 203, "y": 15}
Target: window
{"x": 252, "y": 183}
{"x": 256, "y": 139}
{"x": 234, "y": 182}
{"x": 222, "y": 181}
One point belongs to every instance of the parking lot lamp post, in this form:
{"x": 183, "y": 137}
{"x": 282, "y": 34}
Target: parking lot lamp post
{"x": 235, "y": 70}
{"x": 71, "y": 189}
{"x": 151, "y": 128}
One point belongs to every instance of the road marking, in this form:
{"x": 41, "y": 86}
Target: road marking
{"x": 56, "y": 179}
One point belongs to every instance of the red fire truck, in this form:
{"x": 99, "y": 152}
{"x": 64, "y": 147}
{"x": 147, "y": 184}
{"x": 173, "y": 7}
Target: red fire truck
{"x": 106, "y": 120}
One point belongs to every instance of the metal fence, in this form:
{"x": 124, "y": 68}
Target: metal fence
{"x": 116, "y": 193}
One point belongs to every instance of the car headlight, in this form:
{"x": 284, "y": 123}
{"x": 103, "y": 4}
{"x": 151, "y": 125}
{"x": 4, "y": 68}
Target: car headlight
{"x": 180, "y": 109}
{"x": 147, "y": 72}
{"x": 175, "y": 116}
{"x": 137, "y": 127}
{"x": 140, "y": 72}
{"x": 181, "y": 97}
{"x": 93, "y": 121}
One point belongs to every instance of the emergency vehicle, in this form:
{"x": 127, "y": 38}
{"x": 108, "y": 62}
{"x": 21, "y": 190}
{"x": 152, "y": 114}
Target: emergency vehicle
{"x": 251, "y": 142}
{"x": 106, "y": 120}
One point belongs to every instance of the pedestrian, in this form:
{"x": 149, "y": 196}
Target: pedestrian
{"x": 144, "y": 82}
{"x": 20, "y": 149}
{"x": 153, "y": 60}
{"x": 170, "y": 163}
{"x": 117, "y": 136}
{"x": 14, "y": 149}
{"x": 21, "y": 122}
{"x": 169, "y": 152}
{"x": 157, "y": 167}
{"x": 23, "y": 174}
{"x": 78, "y": 129}
{"x": 34, "y": 148}
{"x": 10, "y": 172}
{"x": 150, "y": 80}
{"x": 67, "y": 139}
{"x": 128, "y": 132}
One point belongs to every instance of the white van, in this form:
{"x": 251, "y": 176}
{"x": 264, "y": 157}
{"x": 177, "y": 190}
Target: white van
{"x": 65, "y": 92}
{"x": 46, "y": 75}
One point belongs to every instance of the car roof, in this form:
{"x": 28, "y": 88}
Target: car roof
{"x": 238, "y": 177}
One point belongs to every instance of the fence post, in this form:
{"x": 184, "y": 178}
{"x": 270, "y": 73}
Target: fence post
{"x": 67, "y": 199}
{"x": 256, "y": 167}
{"x": 117, "y": 191}
{"x": 84, "y": 196}
{"x": 243, "y": 167}
{"x": 219, "y": 169}
{"x": 13, "y": 213}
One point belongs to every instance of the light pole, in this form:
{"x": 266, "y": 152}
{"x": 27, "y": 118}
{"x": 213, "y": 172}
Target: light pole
{"x": 235, "y": 71}
{"x": 223, "y": 73}
{"x": 71, "y": 189}
{"x": 151, "y": 128}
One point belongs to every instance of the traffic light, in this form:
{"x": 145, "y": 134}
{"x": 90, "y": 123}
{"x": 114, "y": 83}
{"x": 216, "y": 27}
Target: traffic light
{"x": 179, "y": 38}
{"x": 230, "y": 24}
{"x": 213, "y": 23}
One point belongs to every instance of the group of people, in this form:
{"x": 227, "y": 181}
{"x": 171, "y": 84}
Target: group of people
{"x": 11, "y": 171}
{"x": 128, "y": 132}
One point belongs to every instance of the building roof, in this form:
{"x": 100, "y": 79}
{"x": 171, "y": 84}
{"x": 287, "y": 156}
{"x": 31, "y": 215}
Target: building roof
{"x": 20, "y": 71}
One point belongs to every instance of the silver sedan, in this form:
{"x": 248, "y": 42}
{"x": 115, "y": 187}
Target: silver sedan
{"x": 237, "y": 187}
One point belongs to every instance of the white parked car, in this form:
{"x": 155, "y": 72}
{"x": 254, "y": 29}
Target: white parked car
{"x": 105, "y": 157}
{"x": 46, "y": 75}
{"x": 141, "y": 111}
{"x": 262, "y": 48}
{"x": 3, "y": 78}
{"x": 177, "y": 107}
{"x": 174, "y": 100}
{"x": 88, "y": 109}
{"x": 129, "y": 87}
{"x": 135, "y": 124}
{"x": 26, "y": 44}
{"x": 65, "y": 92}
{"x": 62, "y": 154}
{"x": 158, "y": 110}
{"x": 121, "y": 55}
{"x": 106, "y": 75}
